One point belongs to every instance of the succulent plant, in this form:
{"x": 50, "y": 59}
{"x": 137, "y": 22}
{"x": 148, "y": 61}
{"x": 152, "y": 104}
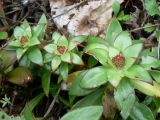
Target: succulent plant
{"x": 26, "y": 39}
{"x": 118, "y": 57}
{"x": 119, "y": 61}
{"x": 62, "y": 51}
{"x": 122, "y": 66}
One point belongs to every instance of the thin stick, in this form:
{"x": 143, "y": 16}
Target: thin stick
{"x": 140, "y": 28}
{"x": 43, "y": 9}
{"x": 5, "y": 18}
{"x": 12, "y": 103}
{"x": 52, "y": 103}
{"x": 3, "y": 46}
{"x": 69, "y": 9}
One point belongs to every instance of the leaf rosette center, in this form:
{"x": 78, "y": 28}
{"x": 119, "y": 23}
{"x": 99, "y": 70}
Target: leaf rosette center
{"x": 23, "y": 40}
{"x": 61, "y": 49}
{"x": 119, "y": 60}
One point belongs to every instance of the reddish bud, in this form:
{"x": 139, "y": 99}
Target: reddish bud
{"x": 61, "y": 49}
{"x": 119, "y": 61}
{"x": 23, "y": 39}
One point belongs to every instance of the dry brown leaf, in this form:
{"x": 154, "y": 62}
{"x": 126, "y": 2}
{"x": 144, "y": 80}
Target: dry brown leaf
{"x": 83, "y": 18}
{"x": 109, "y": 104}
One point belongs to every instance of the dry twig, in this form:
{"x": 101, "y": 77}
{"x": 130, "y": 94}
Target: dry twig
{"x": 52, "y": 103}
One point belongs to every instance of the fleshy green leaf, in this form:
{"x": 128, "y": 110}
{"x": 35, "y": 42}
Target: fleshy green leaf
{"x": 94, "y": 77}
{"x": 100, "y": 54}
{"x": 56, "y": 36}
{"x": 128, "y": 63}
{"x": 33, "y": 41}
{"x": 141, "y": 112}
{"x": 122, "y": 41}
{"x": 47, "y": 57}
{"x": 19, "y": 76}
{"x": 35, "y": 56}
{"x": 62, "y": 42}
{"x": 64, "y": 71}
{"x": 113, "y": 52}
{"x": 19, "y": 32}
{"x": 25, "y": 25}
{"x": 113, "y": 31}
{"x": 149, "y": 62}
{"x": 76, "y": 41}
{"x": 46, "y": 77}
{"x": 56, "y": 61}
{"x": 116, "y": 8}
{"x": 83, "y": 114}
{"x": 95, "y": 46}
{"x": 33, "y": 103}
{"x": 155, "y": 74}
{"x": 75, "y": 88}
{"x": 50, "y": 48}
{"x": 138, "y": 72}
{"x": 43, "y": 19}
{"x": 15, "y": 43}
{"x": 125, "y": 100}
{"x": 39, "y": 30}
{"x": 76, "y": 59}
{"x": 20, "y": 52}
{"x": 146, "y": 88}
{"x": 135, "y": 49}
{"x": 28, "y": 114}
{"x": 66, "y": 57}
{"x": 150, "y": 52}
{"x": 3, "y": 35}
{"x": 94, "y": 39}
{"x": 95, "y": 98}
{"x": 114, "y": 76}
{"x": 25, "y": 61}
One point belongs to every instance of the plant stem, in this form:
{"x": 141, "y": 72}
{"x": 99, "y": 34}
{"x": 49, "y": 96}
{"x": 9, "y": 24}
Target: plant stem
{"x": 52, "y": 103}
{"x": 140, "y": 28}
